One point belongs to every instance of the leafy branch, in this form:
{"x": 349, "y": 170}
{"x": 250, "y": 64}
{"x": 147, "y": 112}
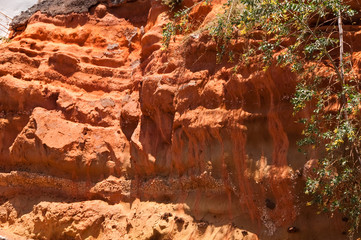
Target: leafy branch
{"x": 306, "y": 37}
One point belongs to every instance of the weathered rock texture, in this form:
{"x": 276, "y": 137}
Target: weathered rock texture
{"x": 103, "y": 135}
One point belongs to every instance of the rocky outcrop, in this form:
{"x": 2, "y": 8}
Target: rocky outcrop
{"x": 104, "y": 135}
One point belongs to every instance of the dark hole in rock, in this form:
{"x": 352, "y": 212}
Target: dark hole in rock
{"x": 270, "y": 204}
{"x": 292, "y": 229}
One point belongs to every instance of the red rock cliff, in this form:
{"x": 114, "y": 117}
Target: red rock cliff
{"x": 103, "y": 135}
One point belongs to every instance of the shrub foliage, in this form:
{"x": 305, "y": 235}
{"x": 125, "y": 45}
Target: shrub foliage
{"x": 306, "y": 37}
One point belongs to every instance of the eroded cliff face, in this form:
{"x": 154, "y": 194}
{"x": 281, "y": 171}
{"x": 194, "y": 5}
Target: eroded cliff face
{"x": 104, "y": 135}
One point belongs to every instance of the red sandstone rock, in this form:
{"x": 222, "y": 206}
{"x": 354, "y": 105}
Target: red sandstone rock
{"x": 102, "y": 132}
{"x": 52, "y": 145}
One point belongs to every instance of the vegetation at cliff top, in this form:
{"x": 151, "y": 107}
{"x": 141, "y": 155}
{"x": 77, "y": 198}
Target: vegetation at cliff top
{"x": 307, "y": 38}
{"x": 4, "y": 39}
